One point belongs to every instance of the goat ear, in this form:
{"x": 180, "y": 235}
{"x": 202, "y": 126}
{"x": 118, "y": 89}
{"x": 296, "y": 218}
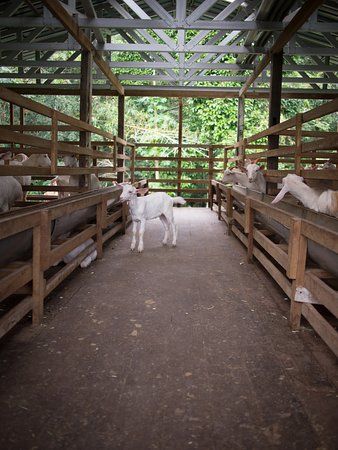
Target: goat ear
{"x": 281, "y": 194}
{"x": 142, "y": 191}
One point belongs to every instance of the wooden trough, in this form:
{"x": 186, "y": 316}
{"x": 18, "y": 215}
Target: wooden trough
{"x": 298, "y": 247}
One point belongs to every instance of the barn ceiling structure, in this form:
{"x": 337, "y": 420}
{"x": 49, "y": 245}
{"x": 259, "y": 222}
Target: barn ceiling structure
{"x": 212, "y": 48}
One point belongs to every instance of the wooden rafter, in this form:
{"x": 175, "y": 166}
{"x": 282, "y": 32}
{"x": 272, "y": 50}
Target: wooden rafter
{"x": 298, "y": 20}
{"x": 56, "y": 8}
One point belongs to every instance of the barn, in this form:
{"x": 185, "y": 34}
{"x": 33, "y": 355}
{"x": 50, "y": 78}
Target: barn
{"x": 227, "y": 341}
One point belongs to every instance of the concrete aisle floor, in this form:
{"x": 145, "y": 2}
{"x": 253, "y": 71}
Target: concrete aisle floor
{"x": 171, "y": 349}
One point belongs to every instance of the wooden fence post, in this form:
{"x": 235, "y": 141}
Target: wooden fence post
{"x": 297, "y": 253}
{"x": 210, "y": 174}
{"x": 41, "y": 249}
{"x": 298, "y": 151}
{"x": 99, "y": 226}
{"x": 219, "y": 201}
{"x": 249, "y": 227}
{"x": 132, "y": 163}
{"x": 54, "y": 146}
{"x": 229, "y": 210}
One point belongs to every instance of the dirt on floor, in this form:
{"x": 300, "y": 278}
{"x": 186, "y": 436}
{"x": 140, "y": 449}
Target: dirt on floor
{"x": 174, "y": 348}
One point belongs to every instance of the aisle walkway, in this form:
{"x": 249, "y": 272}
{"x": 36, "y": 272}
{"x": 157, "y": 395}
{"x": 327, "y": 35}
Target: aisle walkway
{"x": 171, "y": 349}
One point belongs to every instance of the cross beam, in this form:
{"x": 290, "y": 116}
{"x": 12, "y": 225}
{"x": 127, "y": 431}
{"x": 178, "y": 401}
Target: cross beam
{"x": 56, "y": 8}
{"x": 298, "y": 20}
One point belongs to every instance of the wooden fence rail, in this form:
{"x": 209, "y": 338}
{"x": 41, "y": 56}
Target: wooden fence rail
{"x": 287, "y": 263}
{"x": 18, "y": 141}
{"x": 33, "y": 277}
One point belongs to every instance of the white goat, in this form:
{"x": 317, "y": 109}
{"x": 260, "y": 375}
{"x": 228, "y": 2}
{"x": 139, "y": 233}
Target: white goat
{"x": 253, "y": 178}
{"x": 74, "y": 253}
{"x": 157, "y": 205}
{"x": 35, "y": 160}
{"x": 255, "y": 175}
{"x": 71, "y": 161}
{"x": 328, "y": 165}
{"x": 325, "y": 202}
{"x": 61, "y": 180}
{"x": 10, "y": 192}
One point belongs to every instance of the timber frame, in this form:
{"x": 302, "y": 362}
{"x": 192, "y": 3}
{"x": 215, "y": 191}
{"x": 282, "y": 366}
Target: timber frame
{"x": 231, "y": 46}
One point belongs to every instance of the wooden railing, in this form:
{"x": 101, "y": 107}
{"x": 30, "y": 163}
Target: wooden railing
{"x": 29, "y": 272}
{"x": 178, "y": 174}
{"x": 322, "y": 148}
{"x": 18, "y": 141}
{"x": 287, "y": 263}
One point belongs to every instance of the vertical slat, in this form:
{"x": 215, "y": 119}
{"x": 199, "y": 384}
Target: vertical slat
{"x": 298, "y": 151}
{"x": 99, "y": 227}
{"x": 219, "y": 201}
{"x": 180, "y": 140}
{"x": 41, "y": 238}
{"x": 120, "y": 132}
{"x": 54, "y": 146}
{"x": 229, "y": 211}
{"x": 297, "y": 265}
{"x": 22, "y": 123}
{"x": 225, "y": 158}
{"x": 210, "y": 173}
{"x": 240, "y": 119}
{"x": 132, "y": 164}
{"x": 248, "y": 227}
{"x": 274, "y": 112}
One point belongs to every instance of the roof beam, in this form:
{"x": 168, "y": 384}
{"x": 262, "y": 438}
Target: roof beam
{"x": 91, "y": 13}
{"x": 160, "y": 11}
{"x": 200, "y": 10}
{"x": 321, "y": 67}
{"x": 298, "y": 20}
{"x": 56, "y": 8}
{"x": 167, "y": 91}
{"x": 159, "y": 24}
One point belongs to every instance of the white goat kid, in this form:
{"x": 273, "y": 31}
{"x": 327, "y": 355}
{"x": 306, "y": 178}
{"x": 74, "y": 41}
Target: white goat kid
{"x": 325, "y": 202}
{"x": 157, "y": 205}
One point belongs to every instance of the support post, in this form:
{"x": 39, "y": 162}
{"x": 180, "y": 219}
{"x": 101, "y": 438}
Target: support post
{"x": 240, "y": 119}
{"x": 180, "y": 140}
{"x": 120, "y": 133}
{"x": 86, "y": 86}
{"x": 296, "y": 269}
{"x": 54, "y": 147}
{"x": 274, "y": 112}
{"x": 229, "y": 209}
{"x": 132, "y": 163}
{"x": 210, "y": 173}
{"x": 299, "y": 122}
{"x": 41, "y": 249}
{"x": 219, "y": 201}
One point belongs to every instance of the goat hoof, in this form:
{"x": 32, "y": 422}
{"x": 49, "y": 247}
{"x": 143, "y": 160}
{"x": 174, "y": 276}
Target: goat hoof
{"x": 132, "y": 249}
{"x": 165, "y": 244}
{"x": 174, "y": 245}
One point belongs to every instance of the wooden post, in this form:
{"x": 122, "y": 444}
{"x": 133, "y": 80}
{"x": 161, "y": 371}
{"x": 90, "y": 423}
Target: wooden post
{"x": 225, "y": 158}
{"x": 132, "y": 163}
{"x": 22, "y": 123}
{"x": 11, "y": 120}
{"x": 120, "y": 133}
{"x": 249, "y": 227}
{"x": 229, "y": 211}
{"x": 41, "y": 248}
{"x": 240, "y": 119}
{"x": 219, "y": 201}
{"x": 274, "y": 113}
{"x": 298, "y": 153}
{"x": 210, "y": 173}
{"x": 86, "y": 85}
{"x": 54, "y": 146}
{"x": 99, "y": 227}
{"x": 179, "y": 150}
{"x": 296, "y": 269}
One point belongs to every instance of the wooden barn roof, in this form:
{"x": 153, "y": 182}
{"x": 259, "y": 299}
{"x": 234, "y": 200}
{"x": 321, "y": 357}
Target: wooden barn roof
{"x": 170, "y": 46}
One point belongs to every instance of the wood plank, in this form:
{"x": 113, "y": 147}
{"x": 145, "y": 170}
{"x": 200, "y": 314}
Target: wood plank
{"x": 321, "y": 326}
{"x": 273, "y": 249}
{"x": 322, "y": 292}
{"x": 18, "y": 312}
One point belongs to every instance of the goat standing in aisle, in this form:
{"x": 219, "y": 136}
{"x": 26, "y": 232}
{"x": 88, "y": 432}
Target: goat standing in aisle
{"x": 157, "y": 205}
